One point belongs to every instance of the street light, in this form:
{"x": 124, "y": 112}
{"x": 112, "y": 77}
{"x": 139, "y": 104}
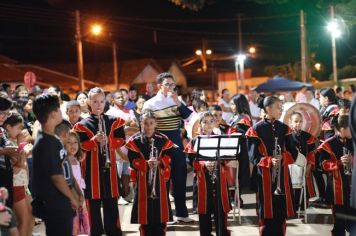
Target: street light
{"x": 239, "y": 67}
{"x": 317, "y": 66}
{"x": 96, "y": 29}
{"x": 335, "y": 32}
{"x": 203, "y": 55}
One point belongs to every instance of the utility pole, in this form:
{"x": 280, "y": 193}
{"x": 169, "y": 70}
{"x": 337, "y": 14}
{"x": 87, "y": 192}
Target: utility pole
{"x": 303, "y": 48}
{"x": 80, "y": 63}
{"x": 333, "y": 46}
{"x": 114, "y": 56}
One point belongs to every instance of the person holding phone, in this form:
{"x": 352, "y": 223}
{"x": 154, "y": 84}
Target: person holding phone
{"x": 169, "y": 111}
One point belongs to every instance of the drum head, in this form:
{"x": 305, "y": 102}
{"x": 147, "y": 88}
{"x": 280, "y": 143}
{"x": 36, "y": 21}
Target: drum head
{"x": 311, "y": 117}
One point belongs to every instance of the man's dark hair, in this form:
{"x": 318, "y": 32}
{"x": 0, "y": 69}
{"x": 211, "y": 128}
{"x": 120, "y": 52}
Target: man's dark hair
{"x": 5, "y": 86}
{"x": 132, "y": 88}
{"x": 63, "y": 127}
{"x": 338, "y": 90}
{"x": 215, "y": 108}
{"x": 14, "y": 119}
{"x": 353, "y": 88}
{"x": 165, "y": 75}
{"x": 56, "y": 88}
{"x": 44, "y": 105}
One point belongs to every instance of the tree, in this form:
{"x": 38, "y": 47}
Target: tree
{"x": 194, "y": 5}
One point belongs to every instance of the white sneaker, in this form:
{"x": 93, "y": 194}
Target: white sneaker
{"x": 184, "y": 219}
{"x": 122, "y": 201}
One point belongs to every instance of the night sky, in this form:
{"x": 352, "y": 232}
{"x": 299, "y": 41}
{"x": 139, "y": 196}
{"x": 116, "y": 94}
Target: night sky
{"x": 43, "y": 31}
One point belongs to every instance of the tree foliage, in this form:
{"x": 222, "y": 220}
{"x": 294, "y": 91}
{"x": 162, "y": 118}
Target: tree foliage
{"x": 194, "y": 5}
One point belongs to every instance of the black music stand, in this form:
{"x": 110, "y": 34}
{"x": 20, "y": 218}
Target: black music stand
{"x": 217, "y": 148}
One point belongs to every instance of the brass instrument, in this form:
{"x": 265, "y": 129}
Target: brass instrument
{"x": 104, "y": 148}
{"x": 152, "y": 175}
{"x": 348, "y": 167}
{"x": 213, "y": 173}
{"x": 276, "y": 171}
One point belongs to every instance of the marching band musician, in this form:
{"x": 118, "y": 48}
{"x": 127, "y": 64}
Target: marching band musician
{"x": 241, "y": 122}
{"x": 220, "y": 127}
{"x": 206, "y": 175}
{"x": 169, "y": 111}
{"x": 306, "y": 145}
{"x": 343, "y": 108}
{"x": 328, "y": 104}
{"x": 336, "y": 159}
{"x": 149, "y": 153}
{"x": 271, "y": 151}
{"x": 101, "y": 136}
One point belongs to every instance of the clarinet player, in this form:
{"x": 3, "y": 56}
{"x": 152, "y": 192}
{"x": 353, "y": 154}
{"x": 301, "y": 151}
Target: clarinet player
{"x": 101, "y": 136}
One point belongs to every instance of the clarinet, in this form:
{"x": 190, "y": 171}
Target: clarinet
{"x": 104, "y": 149}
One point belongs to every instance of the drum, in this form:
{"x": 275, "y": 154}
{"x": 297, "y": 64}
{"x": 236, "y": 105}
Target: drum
{"x": 311, "y": 117}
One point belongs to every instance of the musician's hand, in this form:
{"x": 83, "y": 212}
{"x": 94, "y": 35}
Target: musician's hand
{"x": 81, "y": 201}
{"x": 276, "y": 162}
{"x": 4, "y": 194}
{"x": 152, "y": 163}
{"x": 346, "y": 160}
{"x": 5, "y": 218}
{"x": 210, "y": 165}
{"x": 74, "y": 203}
{"x": 100, "y": 137}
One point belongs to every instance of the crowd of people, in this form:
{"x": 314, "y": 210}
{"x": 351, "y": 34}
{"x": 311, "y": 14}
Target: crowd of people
{"x": 71, "y": 162}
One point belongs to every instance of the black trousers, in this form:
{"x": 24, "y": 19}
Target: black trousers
{"x": 272, "y": 227}
{"x": 206, "y": 227}
{"x": 112, "y": 225}
{"x": 341, "y": 225}
{"x": 153, "y": 229}
{"x": 58, "y": 221}
{"x": 320, "y": 183}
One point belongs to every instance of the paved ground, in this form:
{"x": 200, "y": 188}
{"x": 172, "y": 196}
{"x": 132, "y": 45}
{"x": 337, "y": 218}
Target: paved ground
{"x": 319, "y": 221}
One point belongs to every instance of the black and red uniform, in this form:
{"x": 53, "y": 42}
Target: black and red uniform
{"x": 306, "y": 145}
{"x": 272, "y": 209}
{"x": 102, "y": 187}
{"x": 151, "y": 213}
{"x": 338, "y": 184}
{"x": 207, "y": 201}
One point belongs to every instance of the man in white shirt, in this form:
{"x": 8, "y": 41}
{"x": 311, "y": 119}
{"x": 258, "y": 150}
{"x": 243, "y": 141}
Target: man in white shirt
{"x": 169, "y": 112}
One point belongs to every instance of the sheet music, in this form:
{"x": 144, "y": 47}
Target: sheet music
{"x": 213, "y": 142}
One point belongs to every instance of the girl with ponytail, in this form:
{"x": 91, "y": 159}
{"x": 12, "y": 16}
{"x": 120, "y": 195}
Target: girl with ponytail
{"x": 262, "y": 140}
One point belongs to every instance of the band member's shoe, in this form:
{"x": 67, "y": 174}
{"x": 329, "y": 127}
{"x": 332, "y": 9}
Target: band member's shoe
{"x": 122, "y": 201}
{"x": 184, "y": 219}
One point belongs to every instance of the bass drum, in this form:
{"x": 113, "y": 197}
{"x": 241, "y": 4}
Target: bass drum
{"x": 311, "y": 117}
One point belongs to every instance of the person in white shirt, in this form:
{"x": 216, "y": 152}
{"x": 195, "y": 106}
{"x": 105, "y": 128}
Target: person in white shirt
{"x": 169, "y": 111}
{"x": 311, "y": 100}
{"x": 224, "y": 103}
{"x": 300, "y": 97}
{"x": 255, "y": 110}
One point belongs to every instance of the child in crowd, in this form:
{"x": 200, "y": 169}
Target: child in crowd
{"x": 336, "y": 159}
{"x": 306, "y": 145}
{"x": 73, "y": 112}
{"x": 14, "y": 125}
{"x": 81, "y": 220}
{"x": 206, "y": 182}
{"x": 8, "y": 223}
{"x": 150, "y": 153}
